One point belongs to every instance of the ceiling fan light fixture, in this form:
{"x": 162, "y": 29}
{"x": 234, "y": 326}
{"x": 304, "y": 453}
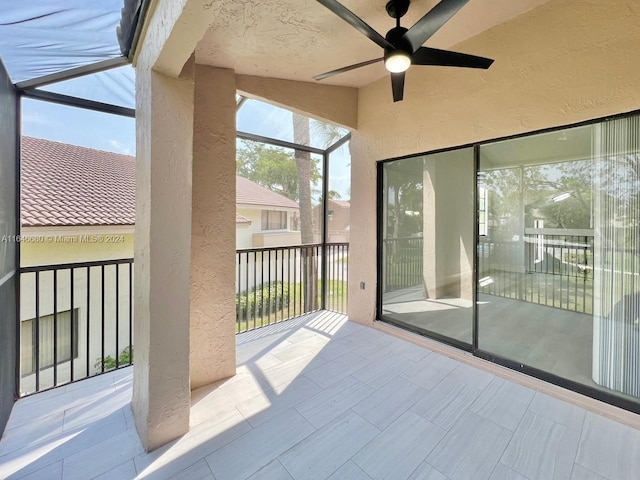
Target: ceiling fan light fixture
{"x": 397, "y": 61}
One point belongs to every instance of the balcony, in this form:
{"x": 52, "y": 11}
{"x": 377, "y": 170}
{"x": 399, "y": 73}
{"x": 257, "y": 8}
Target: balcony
{"x": 320, "y": 397}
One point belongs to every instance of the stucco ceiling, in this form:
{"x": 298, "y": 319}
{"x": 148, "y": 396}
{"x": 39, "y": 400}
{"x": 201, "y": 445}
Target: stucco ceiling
{"x": 297, "y": 39}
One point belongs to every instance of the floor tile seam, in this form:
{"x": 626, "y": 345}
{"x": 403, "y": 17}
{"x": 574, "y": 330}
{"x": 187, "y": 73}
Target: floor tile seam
{"x": 135, "y": 469}
{"x": 425, "y": 461}
{"x": 380, "y": 431}
{"x": 589, "y": 470}
{"x": 465, "y": 410}
{"x": 543, "y": 414}
{"x": 513, "y": 433}
{"x": 37, "y": 420}
{"x": 102, "y": 440}
{"x": 277, "y": 459}
{"x": 82, "y": 425}
{"x": 72, "y": 432}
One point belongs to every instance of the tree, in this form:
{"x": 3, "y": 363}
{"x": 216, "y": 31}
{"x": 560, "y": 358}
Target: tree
{"x": 273, "y": 168}
{"x": 303, "y": 168}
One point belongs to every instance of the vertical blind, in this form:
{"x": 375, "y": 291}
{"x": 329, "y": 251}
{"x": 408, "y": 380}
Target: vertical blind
{"x": 616, "y": 339}
{"x": 64, "y": 344}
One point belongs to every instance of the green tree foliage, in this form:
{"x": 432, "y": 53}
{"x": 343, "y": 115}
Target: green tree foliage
{"x": 272, "y": 167}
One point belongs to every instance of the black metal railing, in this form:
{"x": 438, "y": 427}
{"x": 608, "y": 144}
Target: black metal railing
{"x": 403, "y": 263}
{"x": 279, "y": 283}
{"x": 547, "y": 269}
{"x": 76, "y": 321}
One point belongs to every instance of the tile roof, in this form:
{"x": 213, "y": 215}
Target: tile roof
{"x": 340, "y": 203}
{"x": 69, "y": 185}
{"x": 64, "y": 185}
{"x": 242, "y": 219}
{"x": 250, "y": 193}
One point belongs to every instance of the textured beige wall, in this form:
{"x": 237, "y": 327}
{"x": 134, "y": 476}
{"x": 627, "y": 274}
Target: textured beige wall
{"x": 161, "y": 394}
{"x": 164, "y": 136}
{"x": 325, "y": 102}
{"x": 563, "y": 62}
{"x": 213, "y": 243}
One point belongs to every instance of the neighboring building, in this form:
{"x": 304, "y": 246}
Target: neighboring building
{"x": 338, "y": 220}
{"x": 78, "y": 205}
{"x": 264, "y": 218}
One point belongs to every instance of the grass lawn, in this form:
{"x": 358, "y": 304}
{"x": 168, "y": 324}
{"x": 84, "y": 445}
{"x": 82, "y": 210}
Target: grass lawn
{"x": 248, "y": 320}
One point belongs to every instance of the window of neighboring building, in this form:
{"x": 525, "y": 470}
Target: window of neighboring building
{"x": 330, "y": 215}
{"x": 274, "y": 220}
{"x": 65, "y": 345}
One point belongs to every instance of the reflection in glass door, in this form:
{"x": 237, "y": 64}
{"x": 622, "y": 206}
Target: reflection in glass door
{"x": 559, "y": 256}
{"x": 427, "y": 244}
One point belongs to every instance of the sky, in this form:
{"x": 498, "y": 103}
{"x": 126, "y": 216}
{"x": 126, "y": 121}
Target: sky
{"x": 116, "y": 133}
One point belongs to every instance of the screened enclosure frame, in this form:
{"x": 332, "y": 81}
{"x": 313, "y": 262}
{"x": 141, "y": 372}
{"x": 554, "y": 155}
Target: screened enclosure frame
{"x": 29, "y": 90}
{"x": 325, "y": 153}
{"x": 473, "y": 347}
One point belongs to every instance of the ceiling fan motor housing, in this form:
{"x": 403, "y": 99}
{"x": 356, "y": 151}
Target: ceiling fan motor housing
{"x": 397, "y": 8}
{"x": 395, "y": 37}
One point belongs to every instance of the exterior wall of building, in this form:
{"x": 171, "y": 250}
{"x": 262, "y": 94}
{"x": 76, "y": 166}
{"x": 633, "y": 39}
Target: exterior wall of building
{"x": 252, "y": 236}
{"x": 559, "y": 72}
{"x": 337, "y": 222}
{"x": 49, "y": 246}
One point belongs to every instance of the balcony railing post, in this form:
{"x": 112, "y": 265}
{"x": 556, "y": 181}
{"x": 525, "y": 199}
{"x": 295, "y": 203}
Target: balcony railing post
{"x": 53, "y": 355}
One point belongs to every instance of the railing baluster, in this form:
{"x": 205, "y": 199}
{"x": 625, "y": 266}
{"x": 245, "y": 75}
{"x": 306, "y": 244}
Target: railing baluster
{"x": 55, "y": 327}
{"x": 88, "y": 319}
{"x": 102, "y": 317}
{"x": 254, "y": 309}
{"x": 130, "y": 313}
{"x": 37, "y": 334}
{"x": 117, "y": 315}
{"x": 72, "y": 326}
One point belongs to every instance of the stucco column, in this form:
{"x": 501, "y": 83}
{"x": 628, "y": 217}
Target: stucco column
{"x": 213, "y": 234}
{"x": 362, "y": 240}
{"x": 164, "y": 119}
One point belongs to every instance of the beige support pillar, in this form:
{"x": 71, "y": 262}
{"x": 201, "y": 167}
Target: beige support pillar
{"x": 164, "y": 119}
{"x": 213, "y": 233}
{"x": 448, "y": 184}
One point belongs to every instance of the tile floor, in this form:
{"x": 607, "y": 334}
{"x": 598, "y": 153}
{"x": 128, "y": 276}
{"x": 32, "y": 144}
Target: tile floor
{"x": 319, "y": 397}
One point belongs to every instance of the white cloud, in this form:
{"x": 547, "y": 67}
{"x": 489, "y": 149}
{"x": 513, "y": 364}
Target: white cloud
{"x": 119, "y": 147}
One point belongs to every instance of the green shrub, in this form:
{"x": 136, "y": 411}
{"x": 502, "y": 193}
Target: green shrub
{"x": 262, "y": 300}
{"x": 125, "y": 358}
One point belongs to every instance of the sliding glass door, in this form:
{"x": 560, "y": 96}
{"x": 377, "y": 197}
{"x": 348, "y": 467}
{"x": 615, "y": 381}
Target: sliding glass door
{"x": 558, "y": 285}
{"x": 427, "y": 244}
{"x": 555, "y": 244}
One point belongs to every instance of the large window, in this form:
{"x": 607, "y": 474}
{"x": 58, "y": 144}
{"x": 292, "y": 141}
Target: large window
{"x": 427, "y": 246}
{"x": 66, "y": 347}
{"x": 274, "y": 220}
{"x": 558, "y": 279}
{"x": 557, "y": 253}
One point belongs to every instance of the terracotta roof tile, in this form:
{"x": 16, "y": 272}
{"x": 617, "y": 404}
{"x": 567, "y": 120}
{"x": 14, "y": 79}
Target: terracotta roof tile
{"x": 66, "y": 185}
{"x": 250, "y": 193}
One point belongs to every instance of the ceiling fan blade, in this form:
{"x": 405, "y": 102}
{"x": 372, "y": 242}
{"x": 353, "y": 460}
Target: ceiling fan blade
{"x": 356, "y": 22}
{"x": 445, "y": 58}
{"x": 322, "y": 76}
{"x": 397, "y": 85}
{"x": 432, "y": 21}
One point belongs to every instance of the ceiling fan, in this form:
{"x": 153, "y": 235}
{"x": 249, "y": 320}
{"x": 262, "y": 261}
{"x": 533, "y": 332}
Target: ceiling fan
{"x": 402, "y": 47}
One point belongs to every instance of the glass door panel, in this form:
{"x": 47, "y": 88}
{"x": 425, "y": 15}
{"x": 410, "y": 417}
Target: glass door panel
{"x": 427, "y": 244}
{"x": 559, "y": 255}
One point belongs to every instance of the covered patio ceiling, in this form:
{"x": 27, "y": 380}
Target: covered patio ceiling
{"x": 297, "y": 39}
